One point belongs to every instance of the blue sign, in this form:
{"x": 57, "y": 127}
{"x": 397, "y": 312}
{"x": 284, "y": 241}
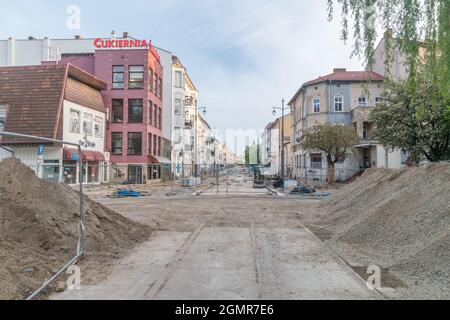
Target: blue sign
{"x": 41, "y": 150}
{"x": 75, "y": 157}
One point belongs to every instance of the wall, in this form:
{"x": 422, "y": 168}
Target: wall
{"x": 76, "y": 137}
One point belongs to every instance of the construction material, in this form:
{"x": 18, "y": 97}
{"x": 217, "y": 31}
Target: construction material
{"x": 39, "y": 231}
{"x": 398, "y": 220}
{"x": 128, "y": 193}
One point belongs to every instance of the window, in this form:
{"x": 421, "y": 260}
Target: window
{"x": 178, "y": 81}
{"x": 155, "y": 115}
{"x": 98, "y": 127}
{"x": 316, "y": 105}
{"x": 177, "y": 107}
{"x": 87, "y": 124}
{"x": 378, "y": 100}
{"x": 316, "y": 161}
{"x": 160, "y": 89}
{"x": 155, "y": 84}
{"x": 362, "y": 102}
{"x": 338, "y": 103}
{"x": 155, "y": 146}
{"x": 118, "y": 77}
{"x": 150, "y": 79}
{"x": 149, "y": 144}
{"x": 135, "y": 110}
{"x": 3, "y": 118}
{"x": 74, "y": 121}
{"x": 134, "y": 143}
{"x": 136, "y": 77}
{"x": 159, "y": 118}
{"x": 116, "y": 143}
{"x": 117, "y": 110}
{"x": 159, "y": 146}
{"x": 150, "y": 112}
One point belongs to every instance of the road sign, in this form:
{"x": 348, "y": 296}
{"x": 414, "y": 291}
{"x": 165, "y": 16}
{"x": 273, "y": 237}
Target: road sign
{"x": 40, "y": 152}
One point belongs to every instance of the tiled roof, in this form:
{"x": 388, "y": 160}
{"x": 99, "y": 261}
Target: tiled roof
{"x": 34, "y": 95}
{"x": 341, "y": 75}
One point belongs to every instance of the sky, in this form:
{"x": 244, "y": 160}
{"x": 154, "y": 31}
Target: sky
{"x": 244, "y": 56}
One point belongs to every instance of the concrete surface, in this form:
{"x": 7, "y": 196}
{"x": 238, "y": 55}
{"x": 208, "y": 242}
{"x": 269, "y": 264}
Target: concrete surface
{"x": 244, "y": 246}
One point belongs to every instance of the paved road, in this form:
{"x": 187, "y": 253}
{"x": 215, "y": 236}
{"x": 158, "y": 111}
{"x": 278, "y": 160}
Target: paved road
{"x": 235, "y": 247}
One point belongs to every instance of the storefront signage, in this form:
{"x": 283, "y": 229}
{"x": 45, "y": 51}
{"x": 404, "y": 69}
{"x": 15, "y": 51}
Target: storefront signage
{"x": 126, "y": 44}
{"x": 85, "y": 143}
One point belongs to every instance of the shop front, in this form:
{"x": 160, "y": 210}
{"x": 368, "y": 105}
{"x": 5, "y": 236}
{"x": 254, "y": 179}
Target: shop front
{"x": 94, "y": 169}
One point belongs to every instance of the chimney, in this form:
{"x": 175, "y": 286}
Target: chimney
{"x": 339, "y": 70}
{"x": 78, "y": 37}
{"x": 125, "y": 34}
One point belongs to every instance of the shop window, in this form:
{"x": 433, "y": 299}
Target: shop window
{"x": 134, "y": 143}
{"x": 135, "y": 110}
{"x": 74, "y": 121}
{"x": 87, "y": 124}
{"x": 316, "y": 161}
{"x": 117, "y": 110}
{"x": 338, "y": 103}
{"x": 118, "y": 77}
{"x": 116, "y": 143}
{"x": 136, "y": 77}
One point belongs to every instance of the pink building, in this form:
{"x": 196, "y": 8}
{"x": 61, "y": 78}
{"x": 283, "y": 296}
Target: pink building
{"x": 133, "y": 99}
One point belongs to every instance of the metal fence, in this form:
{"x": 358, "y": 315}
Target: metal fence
{"x": 43, "y": 156}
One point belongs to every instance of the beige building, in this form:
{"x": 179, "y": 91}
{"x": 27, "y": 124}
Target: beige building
{"x": 346, "y": 98}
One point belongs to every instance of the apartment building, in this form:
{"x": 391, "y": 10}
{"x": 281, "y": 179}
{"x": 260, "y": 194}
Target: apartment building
{"x": 346, "y": 98}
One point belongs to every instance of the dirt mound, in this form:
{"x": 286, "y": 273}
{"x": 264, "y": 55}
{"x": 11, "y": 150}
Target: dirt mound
{"x": 400, "y": 220}
{"x": 39, "y": 230}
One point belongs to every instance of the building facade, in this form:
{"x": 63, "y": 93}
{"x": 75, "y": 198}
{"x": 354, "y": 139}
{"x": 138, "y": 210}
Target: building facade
{"x": 346, "y": 98}
{"x": 59, "y": 102}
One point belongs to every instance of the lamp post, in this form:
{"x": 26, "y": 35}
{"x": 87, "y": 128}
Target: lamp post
{"x": 282, "y": 153}
{"x": 188, "y": 104}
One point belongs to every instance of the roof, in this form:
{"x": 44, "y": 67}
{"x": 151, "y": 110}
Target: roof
{"x": 34, "y": 96}
{"x": 341, "y": 75}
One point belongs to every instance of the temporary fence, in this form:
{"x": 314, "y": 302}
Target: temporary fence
{"x": 43, "y": 155}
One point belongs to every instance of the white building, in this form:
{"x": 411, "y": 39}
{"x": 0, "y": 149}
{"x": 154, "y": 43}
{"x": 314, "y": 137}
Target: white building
{"x": 58, "y": 102}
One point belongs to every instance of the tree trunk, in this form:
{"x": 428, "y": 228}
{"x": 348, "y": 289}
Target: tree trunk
{"x": 331, "y": 176}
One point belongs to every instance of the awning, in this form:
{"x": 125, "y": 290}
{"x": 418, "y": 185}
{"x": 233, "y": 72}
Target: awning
{"x": 72, "y": 155}
{"x": 158, "y": 160}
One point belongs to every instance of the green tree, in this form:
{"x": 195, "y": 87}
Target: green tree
{"x": 335, "y": 141}
{"x": 414, "y": 120}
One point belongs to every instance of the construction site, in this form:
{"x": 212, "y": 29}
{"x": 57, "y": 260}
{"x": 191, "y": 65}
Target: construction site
{"x": 226, "y": 239}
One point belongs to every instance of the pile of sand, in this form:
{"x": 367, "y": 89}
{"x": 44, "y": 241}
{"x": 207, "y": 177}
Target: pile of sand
{"x": 39, "y": 231}
{"x": 399, "y": 220}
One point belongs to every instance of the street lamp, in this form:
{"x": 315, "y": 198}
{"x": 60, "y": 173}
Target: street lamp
{"x": 283, "y": 108}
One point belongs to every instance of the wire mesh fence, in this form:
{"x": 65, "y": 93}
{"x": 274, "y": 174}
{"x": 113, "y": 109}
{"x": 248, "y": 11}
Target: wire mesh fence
{"x": 25, "y": 198}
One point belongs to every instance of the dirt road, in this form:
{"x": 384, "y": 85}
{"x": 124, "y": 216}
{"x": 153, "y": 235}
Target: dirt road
{"x": 244, "y": 245}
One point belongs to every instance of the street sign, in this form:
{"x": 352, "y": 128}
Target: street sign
{"x": 40, "y": 152}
